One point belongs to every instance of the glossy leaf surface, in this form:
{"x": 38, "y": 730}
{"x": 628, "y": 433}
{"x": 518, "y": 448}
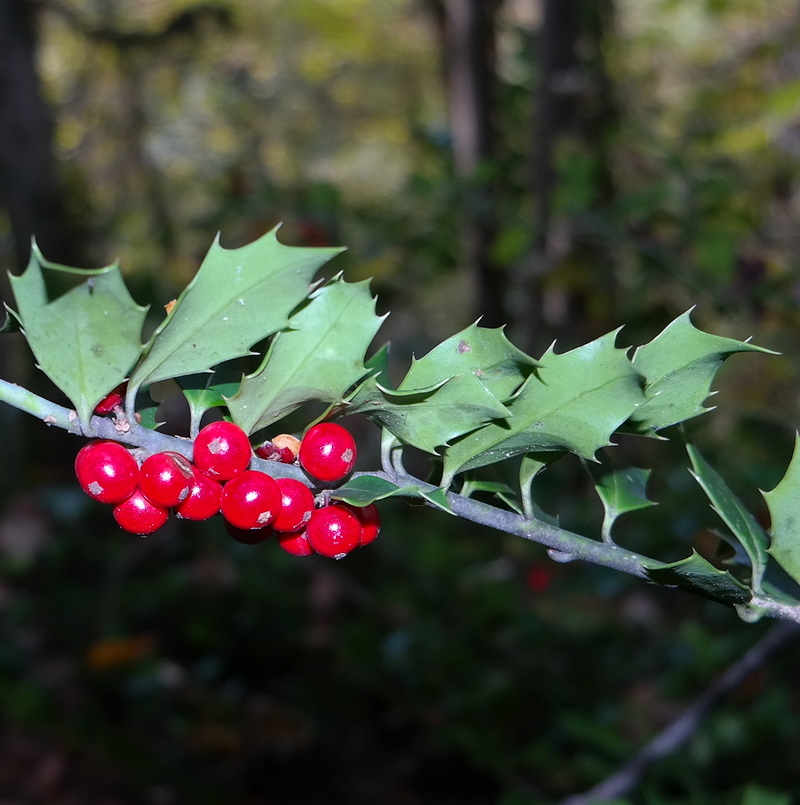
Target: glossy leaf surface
{"x": 366, "y": 489}
{"x": 697, "y": 574}
{"x": 784, "y": 510}
{"x": 680, "y": 364}
{"x": 238, "y": 297}
{"x": 620, "y": 491}
{"x": 484, "y": 353}
{"x": 319, "y": 357}
{"x": 733, "y": 512}
{"x": 85, "y": 339}
{"x": 573, "y": 402}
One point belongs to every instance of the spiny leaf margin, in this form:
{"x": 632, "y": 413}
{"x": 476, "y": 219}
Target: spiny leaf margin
{"x": 783, "y": 503}
{"x": 318, "y": 357}
{"x": 680, "y": 365}
{"x": 86, "y": 338}
{"x": 734, "y": 513}
{"x": 574, "y": 401}
{"x": 237, "y": 298}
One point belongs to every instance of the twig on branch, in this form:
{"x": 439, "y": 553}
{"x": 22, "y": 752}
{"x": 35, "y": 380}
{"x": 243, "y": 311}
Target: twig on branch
{"x": 675, "y": 734}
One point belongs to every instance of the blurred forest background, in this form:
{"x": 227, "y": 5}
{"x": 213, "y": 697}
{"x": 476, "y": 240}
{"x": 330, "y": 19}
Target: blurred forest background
{"x": 562, "y": 166}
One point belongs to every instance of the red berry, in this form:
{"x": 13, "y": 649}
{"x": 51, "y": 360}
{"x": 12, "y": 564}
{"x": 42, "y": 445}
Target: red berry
{"x": 369, "y": 519}
{"x": 284, "y": 448}
{"x": 271, "y": 452}
{"x": 250, "y": 500}
{"x": 267, "y": 451}
{"x": 106, "y": 471}
{"x": 248, "y": 536}
{"x": 295, "y": 543}
{"x": 111, "y": 401}
{"x": 203, "y": 499}
{"x": 222, "y": 450}
{"x": 139, "y": 516}
{"x": 166, "y": 478}
{"x": 328, "y": 451}
{"x": 297, "y": 503}
{"x": 288, "y": 445}
{"x": 333, "y": 531}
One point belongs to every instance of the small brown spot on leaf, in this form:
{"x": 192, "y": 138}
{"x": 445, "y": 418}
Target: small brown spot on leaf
{"x": 463, "y": 347}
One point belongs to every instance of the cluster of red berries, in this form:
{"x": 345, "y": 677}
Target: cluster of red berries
{"x": 253, "y": 504}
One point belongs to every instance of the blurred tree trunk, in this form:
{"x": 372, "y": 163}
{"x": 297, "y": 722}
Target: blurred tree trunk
{"x": 574, "y": 108}
{"x": 556, "y": 100}
{"x": 31, "y": 197}
{"x": 467, "y": 32}
{"x": 29, "y": 191}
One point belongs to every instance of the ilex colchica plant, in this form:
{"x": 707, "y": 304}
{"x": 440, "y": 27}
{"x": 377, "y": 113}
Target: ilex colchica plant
{"x": 473, "y": 401}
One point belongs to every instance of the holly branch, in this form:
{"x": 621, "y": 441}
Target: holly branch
{"x": 253, "y": 338}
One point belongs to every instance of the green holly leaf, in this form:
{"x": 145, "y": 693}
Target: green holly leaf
{"x": 482, "y": 352}
{"x": 208, "y": 390}
{"x": 451, "y": 391}
{"x": 238, "y": 297}
{"x": 428, "y": 418}
{"x": 319, "y": 358}
{"x": 680, "y": 364}
{"x": 437, "y": 498}
{"x": 365, "y": 489}
{"x": 472, "y": 486}
{"x": 11, "y": 324}
{"x": 378, "y": 366}
{"x": 573, "y": 402}
{"x": 698, "y": 575}
{"x": 431, "y": 407}
{"x": 784, "y": 511}
{"x": 149, "y": 402}
{"x": 532, "y": 464}
{"x": 620, "y": 491}
{"x": 148, "y": 414}
{"x": 87, "y": 338}
{"x": 733, "y": 512}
